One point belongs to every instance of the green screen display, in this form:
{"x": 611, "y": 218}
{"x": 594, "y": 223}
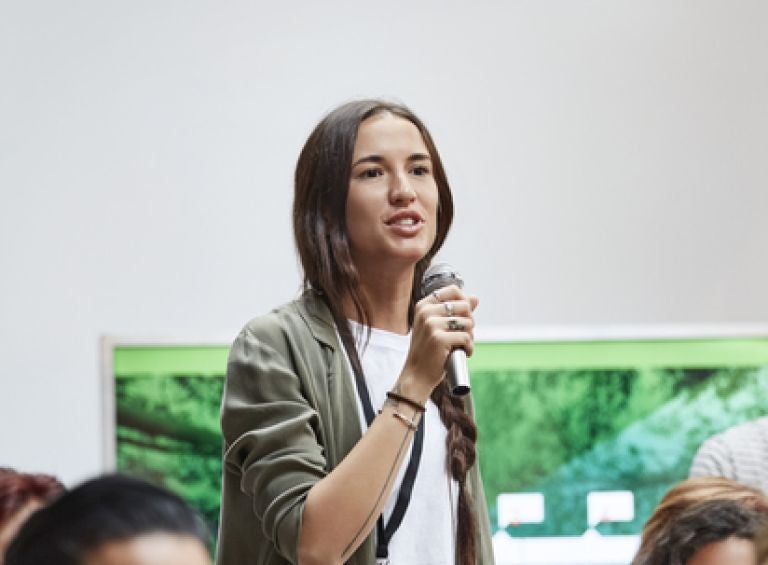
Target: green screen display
{"x": 167, "y": 403}
{"x": 562, "y": 419}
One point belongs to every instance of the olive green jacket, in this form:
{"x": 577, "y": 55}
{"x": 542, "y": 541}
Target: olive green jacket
{"x": 289, "y": 416}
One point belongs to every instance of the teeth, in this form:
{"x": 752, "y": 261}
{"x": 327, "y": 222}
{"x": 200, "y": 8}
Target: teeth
{"x": 405, "y": 222}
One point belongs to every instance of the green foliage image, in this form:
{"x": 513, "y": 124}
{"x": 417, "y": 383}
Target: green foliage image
{"x": 561, "y": 419}
{"x": 168, "y": 432}
{"x": 565, "y": 433}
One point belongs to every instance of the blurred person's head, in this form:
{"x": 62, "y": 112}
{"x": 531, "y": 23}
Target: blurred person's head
{"x": 713, "y": 532}
{"x": 112, "y": 520}
{"x": 701, "y": 521}
{"x": 20, "y": 495}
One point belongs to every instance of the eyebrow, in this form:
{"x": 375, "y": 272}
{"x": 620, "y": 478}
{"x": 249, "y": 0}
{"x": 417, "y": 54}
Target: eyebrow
{"x": 379, "y": 158}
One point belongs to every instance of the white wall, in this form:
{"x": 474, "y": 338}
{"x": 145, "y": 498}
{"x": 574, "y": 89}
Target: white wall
{"x": 609, "y": 161}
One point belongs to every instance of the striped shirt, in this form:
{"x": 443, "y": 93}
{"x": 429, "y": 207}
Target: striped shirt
{"x": 739, "y": 453}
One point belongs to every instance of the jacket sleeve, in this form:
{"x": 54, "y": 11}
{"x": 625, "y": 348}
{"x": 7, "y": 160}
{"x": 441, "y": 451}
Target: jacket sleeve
{"x": 270, "y": 434}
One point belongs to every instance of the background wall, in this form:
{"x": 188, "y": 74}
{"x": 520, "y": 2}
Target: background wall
{"x": 608, "y": 161}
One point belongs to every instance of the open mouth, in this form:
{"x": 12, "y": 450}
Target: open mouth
{"x": 404, "y": 220}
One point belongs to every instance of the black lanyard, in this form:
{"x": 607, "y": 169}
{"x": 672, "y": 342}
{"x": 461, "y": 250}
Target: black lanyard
{"x": 384, "y": 532}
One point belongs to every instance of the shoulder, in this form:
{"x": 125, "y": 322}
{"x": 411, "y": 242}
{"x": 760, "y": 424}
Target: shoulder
{"x": 722, "y": 452}
{"x": 284, "y": 318}
{"x": 301, "y": 321}
{"x": 747, "y": 432}
{"x": 281, "y": 348}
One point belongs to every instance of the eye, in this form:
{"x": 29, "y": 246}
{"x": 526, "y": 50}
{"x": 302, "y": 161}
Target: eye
{"x": 420, "y": 170}
{"x": 370, "y": 173}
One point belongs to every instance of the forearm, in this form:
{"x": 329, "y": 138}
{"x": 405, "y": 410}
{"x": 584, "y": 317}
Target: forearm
{"x": 342, "y": 508}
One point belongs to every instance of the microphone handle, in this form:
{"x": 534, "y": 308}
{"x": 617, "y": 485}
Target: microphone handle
{"x": 457, "y": 372}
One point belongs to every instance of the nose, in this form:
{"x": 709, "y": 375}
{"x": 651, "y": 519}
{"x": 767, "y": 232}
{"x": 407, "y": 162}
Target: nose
{"x": 401, "y": 190}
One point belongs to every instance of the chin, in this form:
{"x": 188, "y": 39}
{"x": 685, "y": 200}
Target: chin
{"x": 413, "y": 257}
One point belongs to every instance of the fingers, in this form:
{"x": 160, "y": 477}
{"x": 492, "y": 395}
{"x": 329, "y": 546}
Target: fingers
{"x": 448, "y": 294}
{"x": 448, "y": 314}
{"x": 448, "y": 301}
{"x": 451, "y": 308}
{"x": 451, "y": 324}
{"x": 456, "y": 333}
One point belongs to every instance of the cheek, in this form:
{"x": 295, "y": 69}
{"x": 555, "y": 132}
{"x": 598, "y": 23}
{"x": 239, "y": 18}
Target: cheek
{"x": 361, "y": 203}
{"x": 359, "y": 218}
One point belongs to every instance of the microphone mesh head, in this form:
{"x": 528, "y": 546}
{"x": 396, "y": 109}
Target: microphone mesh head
{"x": 439, "y": 275}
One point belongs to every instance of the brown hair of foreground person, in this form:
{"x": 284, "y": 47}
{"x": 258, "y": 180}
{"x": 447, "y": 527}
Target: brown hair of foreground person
{"x": 682, "y": 497}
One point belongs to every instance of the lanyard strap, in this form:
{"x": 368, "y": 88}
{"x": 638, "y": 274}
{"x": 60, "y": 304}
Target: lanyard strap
{"x": 384, "y": 532}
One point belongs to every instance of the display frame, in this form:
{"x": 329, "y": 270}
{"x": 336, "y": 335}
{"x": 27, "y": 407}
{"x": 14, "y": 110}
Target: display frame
{"x": 567, "y": 337}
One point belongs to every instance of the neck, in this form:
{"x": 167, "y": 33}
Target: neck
{"x": 387, "y": 297}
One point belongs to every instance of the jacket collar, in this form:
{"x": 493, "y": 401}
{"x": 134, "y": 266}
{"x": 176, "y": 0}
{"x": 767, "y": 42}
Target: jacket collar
{"x": 315, "y": 312}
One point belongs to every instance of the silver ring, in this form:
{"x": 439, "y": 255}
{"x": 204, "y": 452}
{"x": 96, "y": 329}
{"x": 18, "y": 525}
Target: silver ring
{"x": 454, "y": 325}
{"x": 437, "y": 296}
{"x": 448, "y": 308}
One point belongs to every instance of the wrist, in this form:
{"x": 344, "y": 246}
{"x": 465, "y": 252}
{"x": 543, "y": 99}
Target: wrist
{"x": 412, "y": 389}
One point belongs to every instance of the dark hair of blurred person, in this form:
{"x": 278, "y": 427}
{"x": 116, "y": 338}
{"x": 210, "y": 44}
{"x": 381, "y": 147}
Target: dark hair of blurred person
{"x": 112, "y": 520}
{"x": 700, "y": 512}
{"x": 21, "y": 494}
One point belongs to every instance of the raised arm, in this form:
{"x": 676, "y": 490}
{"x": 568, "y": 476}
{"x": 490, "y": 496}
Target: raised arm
{"x": 342, "y": 508}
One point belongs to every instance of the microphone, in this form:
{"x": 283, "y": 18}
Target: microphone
{"x": 437, "y": 276}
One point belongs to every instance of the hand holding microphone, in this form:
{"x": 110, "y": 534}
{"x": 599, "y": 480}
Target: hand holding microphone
{"x": 437, "y": 277}
{"x": 442, "y": 335}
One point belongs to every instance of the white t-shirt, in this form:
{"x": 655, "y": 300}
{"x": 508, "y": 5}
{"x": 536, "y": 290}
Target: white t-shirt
{"x": 426, "y": 535}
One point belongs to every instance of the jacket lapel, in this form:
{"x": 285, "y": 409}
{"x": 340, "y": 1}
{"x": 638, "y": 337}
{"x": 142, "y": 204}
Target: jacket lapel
{"x": 340, "y": 393}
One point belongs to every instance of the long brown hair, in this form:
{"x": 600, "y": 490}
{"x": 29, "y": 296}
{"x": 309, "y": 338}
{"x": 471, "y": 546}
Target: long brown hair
{"x": 319, "y": 226}
{"x": 685, "y": 495}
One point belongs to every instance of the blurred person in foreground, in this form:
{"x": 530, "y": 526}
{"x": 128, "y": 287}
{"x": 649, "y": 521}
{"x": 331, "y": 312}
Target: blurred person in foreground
{"x": 112, "y": 520}
{"x": 739, "y": 453}
{"x": 704, "y": 521}
{"x": 21, "y": 494}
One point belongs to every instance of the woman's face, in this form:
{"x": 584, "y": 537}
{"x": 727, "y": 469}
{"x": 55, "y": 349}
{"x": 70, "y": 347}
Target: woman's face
{"x": 733, "y": 551}
{"x": 393, "y": 197}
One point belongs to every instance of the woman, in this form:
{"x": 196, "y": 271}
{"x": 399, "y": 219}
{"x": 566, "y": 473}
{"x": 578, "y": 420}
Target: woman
{"x": 308, "y": 465}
